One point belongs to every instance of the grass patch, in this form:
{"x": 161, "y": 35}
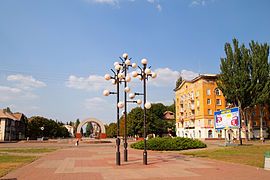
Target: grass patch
{"x": 248, "y": 155}
{"x": 28, "y": 150}
{"x": 9, "y": 161}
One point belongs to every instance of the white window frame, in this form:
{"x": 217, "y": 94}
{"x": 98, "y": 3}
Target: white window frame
{"x": 208, "y": 92}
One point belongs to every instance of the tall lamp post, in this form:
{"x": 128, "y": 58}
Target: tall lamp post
{"x": 121, "y": 76}
{"x": 144, "y": 74}
{"x": 126, "y": 63}
{"x": 116, "y": 81}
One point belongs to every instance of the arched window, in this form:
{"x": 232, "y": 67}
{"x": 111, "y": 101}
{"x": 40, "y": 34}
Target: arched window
{"x": 210, "y": 134}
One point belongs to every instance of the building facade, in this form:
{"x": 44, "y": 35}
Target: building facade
{"x": 12, "y": 126}
{"x": 196, "y": 102}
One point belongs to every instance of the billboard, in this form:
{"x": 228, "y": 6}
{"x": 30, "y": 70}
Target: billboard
{"x": 228, "y": 118}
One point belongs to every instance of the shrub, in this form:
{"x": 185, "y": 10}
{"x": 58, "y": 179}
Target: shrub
{"x": 169, "y": 144}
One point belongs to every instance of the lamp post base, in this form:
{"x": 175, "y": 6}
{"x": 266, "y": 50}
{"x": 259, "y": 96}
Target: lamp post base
{"x": 125, "y": 155}
{"x": 118, "y": 151}
{"x": 145, "y": 158}
{"x": 118, "y": 158}
{"x": 125, "y": 152}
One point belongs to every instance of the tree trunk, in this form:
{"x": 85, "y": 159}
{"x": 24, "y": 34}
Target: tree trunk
{"x": 240, "y": 123}
{"x": 261, "y": 123}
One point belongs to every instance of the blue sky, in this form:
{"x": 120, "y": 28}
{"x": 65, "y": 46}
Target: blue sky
{"x": 54, "y": 53}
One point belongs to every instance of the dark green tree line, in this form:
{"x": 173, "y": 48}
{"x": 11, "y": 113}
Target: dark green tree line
{"x": 42, "y": 127}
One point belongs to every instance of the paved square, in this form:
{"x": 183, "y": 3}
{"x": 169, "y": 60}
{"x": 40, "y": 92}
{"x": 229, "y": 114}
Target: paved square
{"x": 98, "y": 162}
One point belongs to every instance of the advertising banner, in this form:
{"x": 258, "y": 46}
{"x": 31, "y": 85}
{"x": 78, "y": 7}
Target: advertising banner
{"x": 228, "y": 118}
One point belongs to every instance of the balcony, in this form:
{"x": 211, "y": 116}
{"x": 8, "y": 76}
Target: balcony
{"x": 192, "y": 117}
{"x": 181, "y": 110}
{"x": 181, "y": 119}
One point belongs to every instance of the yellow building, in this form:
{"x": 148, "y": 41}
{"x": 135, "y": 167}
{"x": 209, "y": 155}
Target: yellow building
{"x": 196, "y": 102}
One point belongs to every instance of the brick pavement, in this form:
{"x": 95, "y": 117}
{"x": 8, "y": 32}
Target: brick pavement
{"x": 96, "y": 162}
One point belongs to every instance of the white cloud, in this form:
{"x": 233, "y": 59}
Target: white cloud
{"x": 26, "y": 82}
{"x": 200, "y": 2}
{"x": 8, "y": 93}
{"x": 109, "y": 2}
{"x": 165, "y": 77}
{"x": 156, "y": 3}
{"x": 91, "y": 83}
{"x": 188, "y": 75}
{"x": 95, "y": 103}
{"x": 159, "y": 7}
{"x": 117, "y": 2}
{"x": 11, "y": 94}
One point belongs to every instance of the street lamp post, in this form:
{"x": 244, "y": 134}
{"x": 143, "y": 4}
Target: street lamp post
{"x": 121, "y": 76}
{"x": 144, "y": 74}
{"x": 126, "y": 63}
{"x": 115, "y": 80}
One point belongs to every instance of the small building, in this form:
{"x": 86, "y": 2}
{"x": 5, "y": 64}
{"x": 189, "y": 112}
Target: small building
{"x": 12, "y": 126}
{"x": 168, "y": 115}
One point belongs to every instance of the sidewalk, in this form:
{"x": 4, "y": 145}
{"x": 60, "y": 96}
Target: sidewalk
{"x": 98, "y": 162}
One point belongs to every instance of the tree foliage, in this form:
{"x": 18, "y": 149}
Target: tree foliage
{"x": 234, "y": 79}
{"x": 88, "y": 129}
{"x": 154, "y": 120}
{"x": 43, "y": 127}
{"x": 178, "y": 81}
{"x": 245, "y": 76}
{"x": 111, "y": 130}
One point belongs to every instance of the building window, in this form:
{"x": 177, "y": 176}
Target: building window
{"x": 208, "y": 92}
{"x": 210, "y": 134}
{"x": 209, "y": 111}
{"x": 210, "y": 122}
{"x": 208, "y": 101}
{"x": 218, "y": 92}
{"x": 218, "y": 101}
{"x": 254, "y": 123}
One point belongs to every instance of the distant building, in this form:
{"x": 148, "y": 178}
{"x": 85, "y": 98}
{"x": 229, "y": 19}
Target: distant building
{"x": 12, "y": 126}
{"x": 168, "y": 115}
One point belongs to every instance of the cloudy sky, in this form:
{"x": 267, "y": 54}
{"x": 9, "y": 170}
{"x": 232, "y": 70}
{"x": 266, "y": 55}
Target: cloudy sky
{"x": 54, "y": 53}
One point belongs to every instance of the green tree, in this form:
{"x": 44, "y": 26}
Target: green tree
{"x": 260, "y": 84}
{"x": 8, "y": 110}
{"x": 178, "y": 81}
{"x": 111, "y": 130}
{"x": 43, "y": 127}
{"x": 88, "y": 129}
{"x": 76, "y": 124}
{"x": 135, "y": 122}
{"x": 171, "y": 107}
{"x": 234, "y": 79}
{"x": 154, "y": 120}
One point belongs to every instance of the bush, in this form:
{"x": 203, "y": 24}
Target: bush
{"x": 169, "y": 144}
